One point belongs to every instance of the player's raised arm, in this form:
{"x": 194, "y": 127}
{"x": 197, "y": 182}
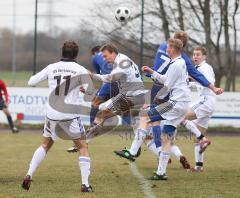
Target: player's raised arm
{"x": 37, "y": 78}
{"x": 199, "y": 77}
{"x": 155, "y": 75}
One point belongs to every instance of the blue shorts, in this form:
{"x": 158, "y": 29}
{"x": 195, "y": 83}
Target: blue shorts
{"x": 156, "y": 111}
{"x": 107, "y": 91}
{"x": 154, "y": 115}
{"x": 169, "y": 130}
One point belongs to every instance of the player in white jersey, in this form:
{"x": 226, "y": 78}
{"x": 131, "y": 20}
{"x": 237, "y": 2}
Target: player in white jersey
{"x": 172, "y": 111}
{"x": 201, "y": 111}
{"x": 131, "y": 89}
{"x": 64, "y": 80}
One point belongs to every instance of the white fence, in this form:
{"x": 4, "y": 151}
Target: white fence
{"x": 30, "y": 103}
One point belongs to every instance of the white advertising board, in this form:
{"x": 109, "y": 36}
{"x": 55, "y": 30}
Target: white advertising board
{"x": 31, "y": 102}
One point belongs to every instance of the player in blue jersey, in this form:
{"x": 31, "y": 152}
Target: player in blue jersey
{"x": 161, "y": 64}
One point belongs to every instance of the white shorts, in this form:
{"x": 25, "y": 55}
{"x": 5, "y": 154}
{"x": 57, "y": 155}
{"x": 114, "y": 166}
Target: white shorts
{"x": 172, "y": 112}
{"x": 176, "y": 115}
{"x": 67, "y": 130}
{"x": 203, "y": 108}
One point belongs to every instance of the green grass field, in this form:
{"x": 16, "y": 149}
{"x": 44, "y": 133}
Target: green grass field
{"x": 21, "y": 78}
{"x": 59, "y": 176}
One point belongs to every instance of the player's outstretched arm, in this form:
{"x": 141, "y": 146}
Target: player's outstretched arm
{"x": 155, "y": 75}
{"x": 37, "y": 78}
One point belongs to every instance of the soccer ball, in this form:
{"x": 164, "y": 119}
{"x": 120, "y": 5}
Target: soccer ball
{"x": 122, "y": 14}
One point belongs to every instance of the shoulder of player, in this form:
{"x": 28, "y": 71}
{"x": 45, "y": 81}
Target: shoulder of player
{"x": 121, "y": 57}
{"x": 178, "y": 64}
{"x": 206, "y": 65}
{"x": 185, "y": 57}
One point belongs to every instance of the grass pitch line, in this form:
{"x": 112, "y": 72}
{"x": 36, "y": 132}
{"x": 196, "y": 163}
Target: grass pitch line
{"x": 145, "y": 185}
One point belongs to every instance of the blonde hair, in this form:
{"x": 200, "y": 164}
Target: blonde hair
{"x": 176, "y": 43}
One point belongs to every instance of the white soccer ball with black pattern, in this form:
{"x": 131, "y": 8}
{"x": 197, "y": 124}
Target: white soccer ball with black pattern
{"x": 122, "y": 14}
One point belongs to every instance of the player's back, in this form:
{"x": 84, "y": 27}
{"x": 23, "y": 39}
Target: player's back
{"x": 57, "y": 74}
{"x": 161, "y": 60}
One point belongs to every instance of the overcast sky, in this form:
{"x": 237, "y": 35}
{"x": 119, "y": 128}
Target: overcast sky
{"x": 64, "y": 14}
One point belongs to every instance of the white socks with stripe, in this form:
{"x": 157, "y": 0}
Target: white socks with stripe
{"x": 198, "y": 156}
{"x": 140, "y": 135}
{"x": 192, "y": 128}
{"x": 84, "y": 164}
{"x": 163, "y": 162}
{"x": 37, "y": 158}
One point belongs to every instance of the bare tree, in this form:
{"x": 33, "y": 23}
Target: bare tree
{"x": 207, "y": 22}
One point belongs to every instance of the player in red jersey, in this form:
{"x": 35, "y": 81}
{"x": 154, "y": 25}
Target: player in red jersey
{"x": 3, "y": 105}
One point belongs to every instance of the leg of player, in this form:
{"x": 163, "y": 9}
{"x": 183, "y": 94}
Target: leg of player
{"x": 140, "y": 135}
{"x": 84, "y": 164}
{"x": 166, "y": 138}
{"x": 175, "y": 150}
{"x": 96, "y": 129}
{"x": 95, "y": 108}
{"x": 37, "y": 158}
{"x": 198, "y": 154}
{"x": 157, "y": 134}
{"x": 204, "y": 142}
{"x": 10, "y": 121}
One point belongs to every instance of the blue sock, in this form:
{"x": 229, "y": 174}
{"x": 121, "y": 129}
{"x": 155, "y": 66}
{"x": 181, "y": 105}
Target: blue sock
{"x": 126, "y": 120}
{"x": 93, "y": 113}
{"x": 157, "y": 135}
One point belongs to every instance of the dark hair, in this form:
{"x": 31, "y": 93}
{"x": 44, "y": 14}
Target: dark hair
{"x": 202, "y": 49}
{"x": 182, "y": 36}
{"x": 176, "y": 43}
{"x": 109, "y": 47}
{"x": 95, "y": 49}
{"x": 69, "y": 50}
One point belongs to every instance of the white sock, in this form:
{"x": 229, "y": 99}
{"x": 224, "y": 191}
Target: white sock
{"x": 152, "y": 147}
{"x": 159, "y": 149}
{"x": 163, "y": 162}
{"x": 198, "y": 156}
{"x": 176, "y": 151}
{"x": 140, "y": 135}
{"x": 84, "y": 164}
{"x": 37, "y": 158}
{"x": 192, "y": 127}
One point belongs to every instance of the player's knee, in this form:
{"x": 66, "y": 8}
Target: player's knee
{"x": 141, "y": 134}
{"x": 6, "y": 112}
{"x": 47, "y": 143}
{"x": 81, "y": 145}
{"x": 167, "y": 133}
